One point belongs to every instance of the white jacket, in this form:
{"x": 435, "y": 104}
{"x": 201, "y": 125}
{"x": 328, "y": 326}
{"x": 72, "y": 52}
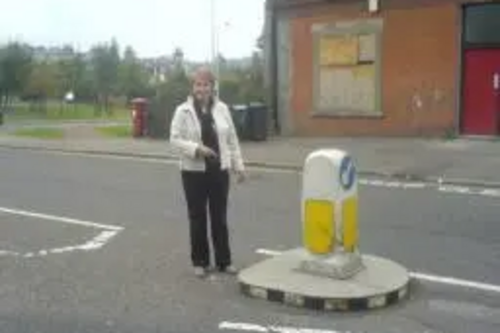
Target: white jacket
{"x": 185, "y": 137}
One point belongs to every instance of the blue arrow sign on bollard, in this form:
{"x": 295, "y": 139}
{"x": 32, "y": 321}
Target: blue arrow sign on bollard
{"x": 347, "y": 173}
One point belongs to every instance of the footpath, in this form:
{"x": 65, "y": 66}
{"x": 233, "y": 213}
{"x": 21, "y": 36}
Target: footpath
{"x": 457, "y": 162}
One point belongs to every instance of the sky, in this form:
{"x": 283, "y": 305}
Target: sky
{"x": 152, "y": 27}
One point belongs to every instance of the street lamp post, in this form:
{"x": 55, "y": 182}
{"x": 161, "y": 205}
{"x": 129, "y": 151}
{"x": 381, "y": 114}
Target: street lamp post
{"x": 214, "y": 43}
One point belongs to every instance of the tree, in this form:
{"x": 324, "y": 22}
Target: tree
{"x": 230, "y": 91}
{"x": 71, "y": 70}
{"x": 133, "y": 77}
{"x": 78, "y": 75}
{"x": 176, "y": 88}
{"x": 15, "y": 67}
{"x": 105, "y": 61}
{"x": 244, "y": 85}
{"x": 253, "y": 80}
{"x": 41, "y": 85}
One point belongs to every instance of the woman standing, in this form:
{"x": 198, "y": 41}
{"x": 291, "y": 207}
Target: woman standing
{"x": 203, "y": 133}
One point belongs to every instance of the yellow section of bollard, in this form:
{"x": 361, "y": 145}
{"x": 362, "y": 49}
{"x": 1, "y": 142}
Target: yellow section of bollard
{"x": 319, "y": 226}
{"x": 350, "y": 223}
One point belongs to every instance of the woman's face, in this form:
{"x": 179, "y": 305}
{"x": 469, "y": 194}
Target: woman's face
{"x": 202, "y": 89}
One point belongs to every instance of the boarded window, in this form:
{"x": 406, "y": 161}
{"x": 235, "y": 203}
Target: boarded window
{"x": 346, "y": 67}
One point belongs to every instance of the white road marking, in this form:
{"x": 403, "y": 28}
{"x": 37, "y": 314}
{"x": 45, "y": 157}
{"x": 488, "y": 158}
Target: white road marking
{"x": 226, "y": 325}
{"x": 268, "y": 252}
{"x": 479, "y": 191}
{"x": 61, "y": 219}
{"x": 103, "y": 237}
{"x": 452, "y": 281}
{"x": 456, "y": 282}
{"x": 249, "y": 327}
{"x": 391, "y": 184}
{"x": 94, "y": 244}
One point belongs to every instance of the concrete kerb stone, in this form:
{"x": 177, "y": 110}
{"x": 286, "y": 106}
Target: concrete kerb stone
{"x": 272, "y": 165}
{"x": 87, "y": 152}
{"x": 326, "y": 304}
{"x": 383, "y": 283}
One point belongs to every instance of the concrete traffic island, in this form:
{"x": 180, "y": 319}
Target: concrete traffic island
{"x": 381, "y": 283}
{"x": 328, "y": 273}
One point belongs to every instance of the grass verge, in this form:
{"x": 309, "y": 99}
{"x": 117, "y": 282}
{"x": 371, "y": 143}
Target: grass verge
{"x": 40, "y": 133}
{"x": 116, "y": 131}
{"x": 62, "y": 112}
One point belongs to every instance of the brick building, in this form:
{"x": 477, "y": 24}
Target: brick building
{"x": 409, "y": 68}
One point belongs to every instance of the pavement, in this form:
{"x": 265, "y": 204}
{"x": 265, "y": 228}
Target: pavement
{"x": 9, "y": 124}
{"x": 460, "y": 162}
{"x": 138, "y": 279}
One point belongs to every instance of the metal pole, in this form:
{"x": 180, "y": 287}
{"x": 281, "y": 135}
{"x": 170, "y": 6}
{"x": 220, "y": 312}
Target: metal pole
{"x": 214, "y": 44}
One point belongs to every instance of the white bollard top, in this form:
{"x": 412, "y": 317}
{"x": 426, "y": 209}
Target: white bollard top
{"x": 329, "y": 174}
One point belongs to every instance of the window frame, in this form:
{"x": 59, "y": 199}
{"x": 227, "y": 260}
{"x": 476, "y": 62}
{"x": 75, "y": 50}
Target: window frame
{"x": 354, "y": 27}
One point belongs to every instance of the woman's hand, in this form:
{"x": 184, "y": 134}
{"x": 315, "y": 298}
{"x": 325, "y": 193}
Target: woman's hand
{"x": 205, "y": 152}
{"x": 240, "y": 176}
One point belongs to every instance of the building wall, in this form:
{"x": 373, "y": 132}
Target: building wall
{"x": 419, "y": 71}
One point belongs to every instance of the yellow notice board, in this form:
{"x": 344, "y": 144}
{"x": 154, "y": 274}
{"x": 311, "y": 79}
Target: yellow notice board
{"x": 338, "y": 50}
{"x": 319, "y": 226}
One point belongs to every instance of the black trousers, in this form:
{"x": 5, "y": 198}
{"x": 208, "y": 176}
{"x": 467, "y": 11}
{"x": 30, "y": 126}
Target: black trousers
{"x": 208, "y": 189}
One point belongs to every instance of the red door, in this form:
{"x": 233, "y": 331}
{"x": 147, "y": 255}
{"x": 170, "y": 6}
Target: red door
{"x": 481, "y": 107}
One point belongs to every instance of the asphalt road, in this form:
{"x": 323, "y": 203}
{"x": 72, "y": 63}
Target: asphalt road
{"x": 140, "y": 279}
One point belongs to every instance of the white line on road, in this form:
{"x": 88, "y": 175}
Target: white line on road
{"x": 456, "y": 282}
{"x": 107, "y": 233}
{"x": 268, "y": 252}
{"x": 94, "y": 244}
{"x": 61, "y": 219}
{"x": 249, "y": 327}
{"x": 452, "y": 281}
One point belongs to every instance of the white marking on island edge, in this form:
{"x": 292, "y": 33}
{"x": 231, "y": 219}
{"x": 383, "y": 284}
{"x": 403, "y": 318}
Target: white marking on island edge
{"x": 425, "y": 277}
{"x": 107, "y": 233}
{"x": 248, "y": 327}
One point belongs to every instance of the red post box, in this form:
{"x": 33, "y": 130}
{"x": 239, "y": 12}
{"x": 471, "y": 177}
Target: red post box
{"x": 139, "y": 117}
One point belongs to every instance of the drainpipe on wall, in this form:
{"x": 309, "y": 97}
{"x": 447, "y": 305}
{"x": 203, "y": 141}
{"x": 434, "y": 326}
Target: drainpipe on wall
{"x": 271, "y": 51}
{"x": 274, "y": 69}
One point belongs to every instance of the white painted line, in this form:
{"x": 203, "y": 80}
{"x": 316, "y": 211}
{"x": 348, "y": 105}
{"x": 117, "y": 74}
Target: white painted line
{"x": 267, "y": 252}
{"x": 103, "y": 237}
{"x": 94, "y": 244}
{"x": 249, "y": 327}
{"x": 456, "y": 282}
{"x": 490, "y": 192}
{"x": 4, "y": 253}
{"x": 452, "y": 281}
{"x": 454, "y": 189}
{"x": 61, "y": 219}
{"x": 226, "y": 325}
